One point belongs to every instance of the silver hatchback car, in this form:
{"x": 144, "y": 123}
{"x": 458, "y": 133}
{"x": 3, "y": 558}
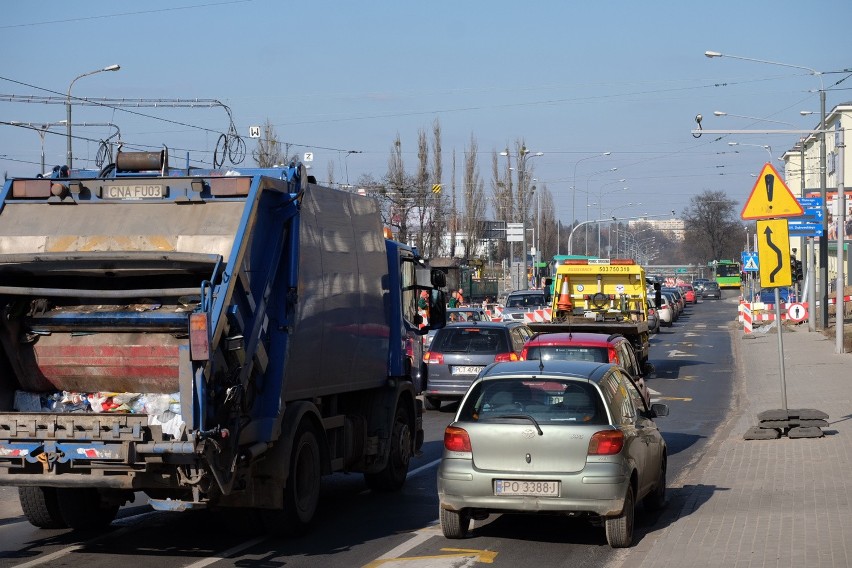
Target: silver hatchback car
{"x": 562, "y": 437}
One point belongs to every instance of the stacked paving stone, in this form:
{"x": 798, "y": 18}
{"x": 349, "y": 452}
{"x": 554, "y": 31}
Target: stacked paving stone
{"x": 794, "y": 423}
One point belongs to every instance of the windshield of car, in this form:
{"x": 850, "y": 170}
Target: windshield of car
{"x": 470, "y": 340}
{"x": 563, "y": 401}
{"x": 463, "y": 315}
{"x": 568, "y": 353}
{"x": 526, "y": 301}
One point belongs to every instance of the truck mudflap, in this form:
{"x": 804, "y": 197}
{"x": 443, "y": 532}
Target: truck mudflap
{"x": 120, "y": 451}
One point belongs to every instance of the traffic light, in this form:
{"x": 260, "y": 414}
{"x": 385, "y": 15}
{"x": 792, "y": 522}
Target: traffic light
{"x": 797, "y": 271}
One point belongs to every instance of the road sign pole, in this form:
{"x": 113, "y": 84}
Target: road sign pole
{"x": 811, "y": 282}
{"x": 780, "y": 349}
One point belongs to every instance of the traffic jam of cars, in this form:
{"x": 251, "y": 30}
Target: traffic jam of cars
{"x": 551, "y": 422}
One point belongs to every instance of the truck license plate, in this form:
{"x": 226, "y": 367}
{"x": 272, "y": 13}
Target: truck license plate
{"x": 133, "y": 191}
{"x": 526, "y": 488}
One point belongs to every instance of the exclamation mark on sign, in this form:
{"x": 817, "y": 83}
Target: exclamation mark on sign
{"x": 770, "y": 181}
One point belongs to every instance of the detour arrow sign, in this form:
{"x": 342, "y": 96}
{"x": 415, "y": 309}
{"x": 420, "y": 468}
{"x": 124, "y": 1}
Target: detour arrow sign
{"x": 773, "y": 249}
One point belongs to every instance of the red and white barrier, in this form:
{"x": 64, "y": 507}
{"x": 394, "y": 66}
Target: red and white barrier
{"x": 538, "y": 316}
{"x": 745, "y": 317}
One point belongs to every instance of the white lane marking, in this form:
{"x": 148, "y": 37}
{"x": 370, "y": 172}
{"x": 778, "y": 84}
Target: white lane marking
{"x": 50, "y": 557}
{"x": 422, "y": 468}
{"x": 676, "y": 353}
{"x": 416, "y": 539}
{"x": 227, "y": 553}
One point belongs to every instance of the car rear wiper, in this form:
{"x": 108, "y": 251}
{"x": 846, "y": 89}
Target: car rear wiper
{"x": 523, "y": 417}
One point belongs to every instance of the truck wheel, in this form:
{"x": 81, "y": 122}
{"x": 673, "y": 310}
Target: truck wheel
{"x": 301, "y": 495}
{"x": 454, "y": 524}
{"x": 392, "y": 477}
{"x": 619, "y": 530}
{"x": 41, "y": 507}
{"x": 83, "y": 509}
{"x": 431, "y": 403}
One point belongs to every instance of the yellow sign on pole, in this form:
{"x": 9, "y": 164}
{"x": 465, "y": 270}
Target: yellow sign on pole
{"x": 770, "y": 197}
{"x": 773, "y": 249}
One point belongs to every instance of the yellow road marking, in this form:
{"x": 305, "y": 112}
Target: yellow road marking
{"x": 484, "y": 556}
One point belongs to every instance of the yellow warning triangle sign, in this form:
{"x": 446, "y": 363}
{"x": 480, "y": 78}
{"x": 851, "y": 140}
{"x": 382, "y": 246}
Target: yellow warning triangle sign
{"x": 770, "y": 197}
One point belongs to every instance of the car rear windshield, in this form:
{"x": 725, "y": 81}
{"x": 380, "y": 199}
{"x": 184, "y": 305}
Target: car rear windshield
{"x": 471, "y": 340}
{"x": 526, "y": 301}
{"x": 563, "y": 401}
{"x": 568, "y": 353}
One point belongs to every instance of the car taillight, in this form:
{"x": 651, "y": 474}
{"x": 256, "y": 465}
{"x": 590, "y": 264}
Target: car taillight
{"x": 613, "y": 355}
{"x": 432, "y": 357}
{"x": 503, "y": 357}
{"x": 456, "y": 440}
{"x": 606, "y": 443}
{"x": 523, "y": 356}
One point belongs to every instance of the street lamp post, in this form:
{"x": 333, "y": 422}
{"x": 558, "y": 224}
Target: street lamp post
{"x": 41, "y": 130}
{"x": 574, "y": 229}
{"x": 823, "y": 242}
{"x": 68, "y": 107}
{"x": 523, "y": 201}
{"x": 574, "y": 196}
{"x": 587, "y": 203}
{"x": 721, "y": 113}
{"x": 601, "y": 193}
{"x": 764, "y": 146}
{"x": 346, "y": 164}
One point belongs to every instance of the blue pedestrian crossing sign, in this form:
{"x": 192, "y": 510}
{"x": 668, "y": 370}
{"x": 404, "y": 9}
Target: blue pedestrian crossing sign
{"x": 750, "y": 263}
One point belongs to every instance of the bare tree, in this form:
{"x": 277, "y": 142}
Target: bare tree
{"x": 330, "y": 170}
{"x": 713, "y": 230}
{"x": 547, "y": 224}
{"x": 501, "y": 191}
{"x": 438, "y": 226}
{"x": 398, "y": 194}
{"x": 270, "y": 150}
{"x": 454, "y": 212}
{"x": 474, "y": 192}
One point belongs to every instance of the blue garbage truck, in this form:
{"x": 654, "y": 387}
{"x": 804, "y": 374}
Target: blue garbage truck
{"x": 211, "y": 338}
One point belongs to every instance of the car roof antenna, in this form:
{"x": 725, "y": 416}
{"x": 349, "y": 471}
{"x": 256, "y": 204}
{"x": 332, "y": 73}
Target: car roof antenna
{"x": 540, "y": 363}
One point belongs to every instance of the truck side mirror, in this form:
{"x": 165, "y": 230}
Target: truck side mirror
{"x": 438, "y": 278}
{"x": 437, "y": 309}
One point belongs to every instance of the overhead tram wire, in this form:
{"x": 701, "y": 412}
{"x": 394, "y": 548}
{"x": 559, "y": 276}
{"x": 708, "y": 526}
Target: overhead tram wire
{"x": 228, "y": 144}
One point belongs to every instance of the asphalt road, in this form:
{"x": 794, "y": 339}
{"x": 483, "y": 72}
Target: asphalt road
{"x": 354, "y": 527}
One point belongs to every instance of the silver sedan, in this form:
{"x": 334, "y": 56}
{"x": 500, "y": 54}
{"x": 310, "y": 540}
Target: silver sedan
{"x": 561, "y": 437}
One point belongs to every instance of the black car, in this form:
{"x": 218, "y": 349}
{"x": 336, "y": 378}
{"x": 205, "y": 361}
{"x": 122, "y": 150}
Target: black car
{"x": 711, "y": 290}
{"x": 461, "y": 350}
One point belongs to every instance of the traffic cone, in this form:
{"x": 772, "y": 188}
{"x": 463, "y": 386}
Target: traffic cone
{"x": 564, "y": 303}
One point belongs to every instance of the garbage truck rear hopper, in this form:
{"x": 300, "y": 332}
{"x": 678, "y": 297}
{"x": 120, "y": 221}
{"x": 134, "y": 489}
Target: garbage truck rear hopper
{"x": 208, "y": 339}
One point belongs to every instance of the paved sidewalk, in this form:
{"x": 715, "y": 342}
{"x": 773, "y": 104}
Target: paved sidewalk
{"x": 774, "y": 503}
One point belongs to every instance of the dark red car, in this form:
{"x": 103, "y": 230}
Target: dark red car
{"x": 596, "y": 347}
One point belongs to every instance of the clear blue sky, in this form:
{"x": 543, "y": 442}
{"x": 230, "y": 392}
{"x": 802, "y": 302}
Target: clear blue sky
{"x": 572, "y": 79}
